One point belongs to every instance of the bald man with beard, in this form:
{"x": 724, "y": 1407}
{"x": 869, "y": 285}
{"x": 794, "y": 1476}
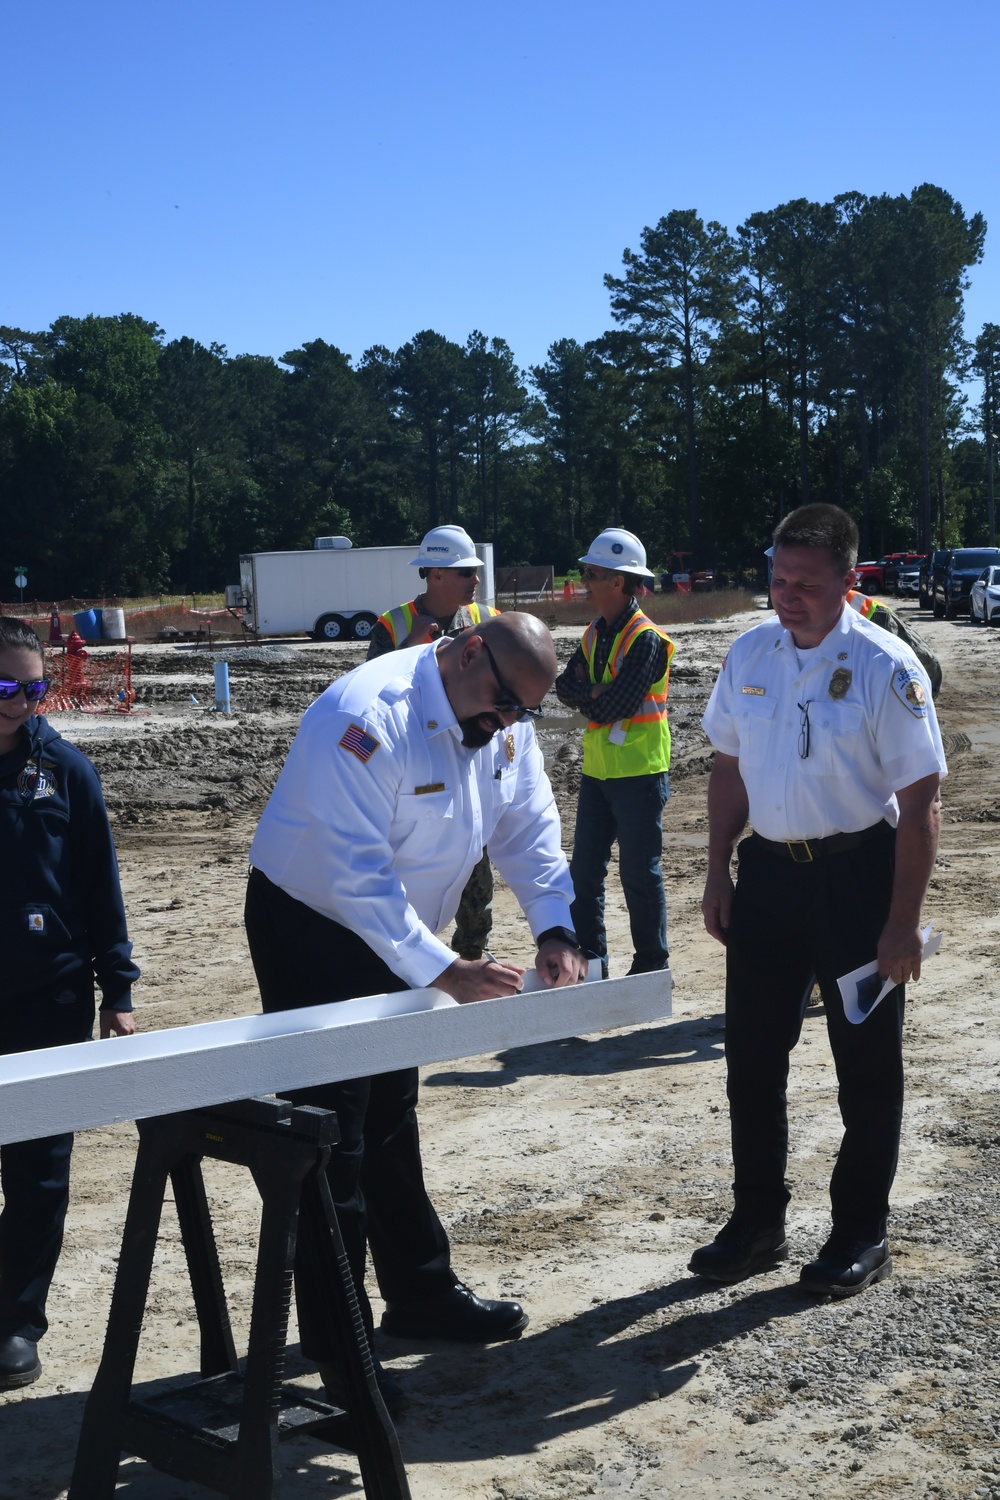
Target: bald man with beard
{"x": 399, "y": 774}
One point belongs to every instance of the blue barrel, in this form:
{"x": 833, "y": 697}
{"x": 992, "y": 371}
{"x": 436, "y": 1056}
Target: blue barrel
{"x": 88, "y": 625}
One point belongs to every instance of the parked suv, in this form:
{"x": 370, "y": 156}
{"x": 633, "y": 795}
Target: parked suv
{"x": 908, "y": 579}
{"x": 951, "y": 592}
{"x": 932, "y": 567}
{"x": 895, "y": 564}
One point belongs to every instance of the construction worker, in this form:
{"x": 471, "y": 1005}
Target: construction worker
{"x": 617, "y": 678}
{"x": 449, "y": 567}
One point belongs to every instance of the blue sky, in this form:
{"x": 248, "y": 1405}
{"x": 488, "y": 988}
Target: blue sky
{"x": 260, "y": 175}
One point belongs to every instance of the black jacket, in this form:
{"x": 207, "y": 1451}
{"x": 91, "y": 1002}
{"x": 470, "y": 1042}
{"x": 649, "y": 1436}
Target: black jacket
{"x": 62, "y": 918}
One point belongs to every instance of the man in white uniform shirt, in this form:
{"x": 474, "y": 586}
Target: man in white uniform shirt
{"x": 827, "y": 743}
{"x": 399, "y": 774}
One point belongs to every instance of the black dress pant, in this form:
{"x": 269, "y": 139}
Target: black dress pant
{"x": 34, "y": 1175}
{"x": 376, "y": 1179}
{"x": 791, "y": 922}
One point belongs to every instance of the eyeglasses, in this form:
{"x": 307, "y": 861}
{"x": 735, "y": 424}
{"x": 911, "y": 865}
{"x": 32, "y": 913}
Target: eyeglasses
{"x": 804, "y": 730}
{"x": 465, "y": 572}
{"x": 592, "y": 575}
{"x": 508, "y": 702}
{"x": 34, "y": 689}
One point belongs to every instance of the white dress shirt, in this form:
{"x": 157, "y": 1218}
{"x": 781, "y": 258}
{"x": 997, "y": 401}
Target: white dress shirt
{"x": 380, "y": 814}
{"x": 871, "y": 727}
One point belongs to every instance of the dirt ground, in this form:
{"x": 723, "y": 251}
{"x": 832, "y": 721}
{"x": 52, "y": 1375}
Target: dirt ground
{"x": 579, "y": 1176}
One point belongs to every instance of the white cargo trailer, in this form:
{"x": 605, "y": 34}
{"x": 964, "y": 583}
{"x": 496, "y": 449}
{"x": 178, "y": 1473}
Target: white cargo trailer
{"x": 334, "y": 591}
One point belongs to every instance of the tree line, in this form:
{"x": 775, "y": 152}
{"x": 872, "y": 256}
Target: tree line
{"x": 817, "y": 353}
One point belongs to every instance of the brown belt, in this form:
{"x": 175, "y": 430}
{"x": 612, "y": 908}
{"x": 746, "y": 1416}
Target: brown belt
{"x": 804, "y": 851}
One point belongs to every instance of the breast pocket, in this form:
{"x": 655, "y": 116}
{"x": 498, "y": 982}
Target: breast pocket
{"x": 833, "y": 732}
{"x": 753, "y": 719}
{"x": 503, "y": 789}
{"x": 424, "y": 807}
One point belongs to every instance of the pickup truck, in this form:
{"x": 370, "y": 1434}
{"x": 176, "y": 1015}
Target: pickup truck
{"x": 870, "y": 577}
{"x": 950, "y": 592}
{"x": 880, "y": 577}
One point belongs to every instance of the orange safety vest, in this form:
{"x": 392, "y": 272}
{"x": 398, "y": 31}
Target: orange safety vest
{"x": 863, "y": 603}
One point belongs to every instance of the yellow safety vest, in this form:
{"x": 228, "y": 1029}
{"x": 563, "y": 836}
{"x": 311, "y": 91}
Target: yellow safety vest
{"x": 399, "y": 621}
{"x": 639, "y": 746}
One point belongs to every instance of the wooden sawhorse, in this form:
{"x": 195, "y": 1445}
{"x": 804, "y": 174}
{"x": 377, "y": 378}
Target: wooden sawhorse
{"x": 223, "y": 1430}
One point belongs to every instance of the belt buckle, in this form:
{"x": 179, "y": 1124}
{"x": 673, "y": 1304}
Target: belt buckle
{"x": 794, "y": 845}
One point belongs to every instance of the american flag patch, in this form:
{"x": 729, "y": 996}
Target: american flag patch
{"x": 358, "y": 742}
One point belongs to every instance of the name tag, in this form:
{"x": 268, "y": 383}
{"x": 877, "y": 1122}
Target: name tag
{"x": 755, "y": 692}
{"x": 432, "y": 786}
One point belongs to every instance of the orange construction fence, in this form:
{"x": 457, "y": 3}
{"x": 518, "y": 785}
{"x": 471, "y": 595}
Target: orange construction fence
{"x": 89, "y": 684}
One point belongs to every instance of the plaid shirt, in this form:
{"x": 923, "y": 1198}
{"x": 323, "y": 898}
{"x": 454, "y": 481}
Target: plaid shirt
{"x": 645, "y": 663}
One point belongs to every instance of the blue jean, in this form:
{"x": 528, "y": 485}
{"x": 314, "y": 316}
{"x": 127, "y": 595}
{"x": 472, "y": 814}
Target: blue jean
{"x": 629, "y": 809}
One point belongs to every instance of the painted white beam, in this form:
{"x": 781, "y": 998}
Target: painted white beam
{"x": 161, "y": 1072}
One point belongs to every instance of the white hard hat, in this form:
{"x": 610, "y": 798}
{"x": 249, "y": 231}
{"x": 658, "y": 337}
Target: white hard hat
{"x": 618, "y": 550}
{"x": 446, "y": 547}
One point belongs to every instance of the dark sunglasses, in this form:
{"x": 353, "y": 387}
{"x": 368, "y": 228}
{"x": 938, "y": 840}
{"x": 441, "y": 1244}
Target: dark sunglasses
{"x": 466, "y": 572}
{"x": 594, "y": 575}
{"x": 507, "y": 702}
{"x": 35, "y": 689}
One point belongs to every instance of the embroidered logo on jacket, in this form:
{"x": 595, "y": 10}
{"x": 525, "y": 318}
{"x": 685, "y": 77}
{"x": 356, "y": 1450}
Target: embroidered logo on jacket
{"x": 36, "y": 781}
{"x": 358, "y": 742}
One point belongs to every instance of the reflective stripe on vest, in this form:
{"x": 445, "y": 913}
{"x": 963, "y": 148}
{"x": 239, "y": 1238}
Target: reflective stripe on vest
{"x": 864, "y": 605}
{"x": 399, "y": 621}
{"x": 640, "y": 745}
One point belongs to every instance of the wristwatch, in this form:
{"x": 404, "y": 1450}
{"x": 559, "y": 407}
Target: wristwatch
{"x": 560, "y": 935}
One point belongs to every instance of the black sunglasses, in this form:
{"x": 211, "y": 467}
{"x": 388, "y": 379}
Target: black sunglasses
{"x": 507, "y": 702}
{"x": 34, "y": 689}
{"x": 466, "y": 572}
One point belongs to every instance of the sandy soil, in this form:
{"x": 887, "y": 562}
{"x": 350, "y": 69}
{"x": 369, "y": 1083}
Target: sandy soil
{"x": 579, "y": 1176}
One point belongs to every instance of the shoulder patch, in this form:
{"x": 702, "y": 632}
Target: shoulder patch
{"x": 910, "y": 691}
{"x": 359, "y": 742}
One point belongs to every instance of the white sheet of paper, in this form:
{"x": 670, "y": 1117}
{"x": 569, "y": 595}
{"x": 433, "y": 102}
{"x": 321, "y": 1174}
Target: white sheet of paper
{"x": 862, "y": 990}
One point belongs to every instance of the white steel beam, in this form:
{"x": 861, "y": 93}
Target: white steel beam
{"x": 58, "y": 1089}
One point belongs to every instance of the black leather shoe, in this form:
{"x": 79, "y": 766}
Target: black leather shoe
{"x": 845, "y": 1267}
{"x": 19, "y": 1363}
{"x": 391, "y": 1391}
{"x": 457, "y": 1314}
{"x": 740, "y": 1250}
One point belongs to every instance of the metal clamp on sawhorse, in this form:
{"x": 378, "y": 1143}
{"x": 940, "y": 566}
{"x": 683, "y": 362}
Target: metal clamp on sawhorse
{"x": 223, "y": 1430}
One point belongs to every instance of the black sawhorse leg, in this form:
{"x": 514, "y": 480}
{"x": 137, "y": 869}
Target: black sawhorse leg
{"x": 222, "y": 1431}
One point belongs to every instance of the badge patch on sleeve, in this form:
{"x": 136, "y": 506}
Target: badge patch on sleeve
{"x": 910, "y": 691}
{"x": 355, "y": 739}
